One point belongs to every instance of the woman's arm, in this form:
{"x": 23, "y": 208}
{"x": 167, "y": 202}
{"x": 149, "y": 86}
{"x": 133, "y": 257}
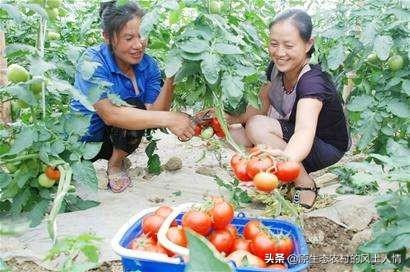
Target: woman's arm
{"x": 136, "y": 119}
{"x": 301, "y": 142}
{"x": 163, "y": 101}
{"x": 251, "y": 111}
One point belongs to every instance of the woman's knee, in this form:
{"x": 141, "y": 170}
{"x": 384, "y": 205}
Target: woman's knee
{"x": 258, "y": 126}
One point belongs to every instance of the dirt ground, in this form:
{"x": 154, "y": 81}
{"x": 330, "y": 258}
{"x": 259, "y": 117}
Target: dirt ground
{"x": 333, "y": 240}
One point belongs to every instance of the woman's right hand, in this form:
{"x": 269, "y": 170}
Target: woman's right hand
{"x": 181, "y": 125}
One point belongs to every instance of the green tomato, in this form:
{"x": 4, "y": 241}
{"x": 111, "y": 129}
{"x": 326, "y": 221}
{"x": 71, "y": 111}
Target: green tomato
{"x": 53, "y": 3}
{"x": 17, "y": 73}
{"x": 372, "y": 57}
{"x": 215, "y": 6}
{"x": 35, "y": 84}
{"x": 395, "y": 62}
{"x": 207, "y": 133}
{"x": 44, "y": 181}
{"x": 52, "y": 13}
{"x": 51, "y": 35}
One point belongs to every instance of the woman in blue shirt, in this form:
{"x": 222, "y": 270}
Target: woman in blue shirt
{"x": 123, "y": 69}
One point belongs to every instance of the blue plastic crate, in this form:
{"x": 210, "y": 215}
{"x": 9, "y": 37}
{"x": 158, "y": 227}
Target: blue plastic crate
{"x": 151, "y": 262}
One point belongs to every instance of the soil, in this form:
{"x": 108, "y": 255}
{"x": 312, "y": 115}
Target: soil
{"x": 324, "y": 238}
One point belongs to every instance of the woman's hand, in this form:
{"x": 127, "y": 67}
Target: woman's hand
{"x": 181, "y": 125}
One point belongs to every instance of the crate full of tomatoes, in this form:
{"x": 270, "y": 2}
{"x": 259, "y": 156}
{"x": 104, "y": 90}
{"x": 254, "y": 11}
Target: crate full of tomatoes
{"x": 155, "y": 240}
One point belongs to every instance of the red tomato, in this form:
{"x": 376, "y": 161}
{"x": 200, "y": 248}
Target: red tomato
{"x": 222, "y": 240}
{"x": 240, "y": 171}
{"x": 235, "y": 160}
{"x": 251, "y": 229}
{"x": 284, "y": 244}
{"x": 244, "y": 258}
{"x": 263, "y": 246}
{"x": 52, "y": 173}
{"x": 217, "y": 127}
{"x": 232, "y": 230}
{"x": 265, "y": 181}
{"x": 288, "y": 171}
{"x": 241, "y": 243}
{"x": 177, "y": 236}
{"x": 151, "y": 224}
{"x": 197, "y": 221}
{"x": 197, "y": 130}
{"x": 222, "y": 215}
{"x": 163, "y": 211}
{"x": 256, "y": 165}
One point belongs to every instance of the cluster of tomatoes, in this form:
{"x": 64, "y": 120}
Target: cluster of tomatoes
{"x": 50, "y": 177}
{"x": 264, "y": 169}
{"x": 213, "y": 220}
{"x": 207, "y": 129}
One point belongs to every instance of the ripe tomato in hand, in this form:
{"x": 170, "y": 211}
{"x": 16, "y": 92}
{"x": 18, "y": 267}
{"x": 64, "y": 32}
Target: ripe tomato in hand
{"x": 217, "y": 127}
{"x": 265, "y": 181}
{"x": 222, "y": 215}
{"x": 256, "y": 165}
{"x": 288, "y": 171}
{"x": 240, "y": 170}
{"x": 222, "y": 240}
{"x": 151, "y": 224}
{"x": 198, "y": 221}
{"x": 251, "y": 229}
{"x": 52, "y": 173}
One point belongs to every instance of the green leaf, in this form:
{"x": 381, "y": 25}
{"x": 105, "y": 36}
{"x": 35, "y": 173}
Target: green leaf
{"x": 369, "y": 132}
{"x": 37, "y": 9}
{"x": 154, "y": 164}
{"x": 20, "y": 200}
{"x": 57, "y": 147}
{"x": 172, "y": 65}
{"x": 19, "y": 47}
{"x": 382, "y": 46}
{"x": 75, "y": 203}
{"x": 24, "y": 174}
{"x": 24, "y": 139}
{"x": 203, "y": 256}
{"x": 77, "y": 124}
{"x": 84, "y": 173}
{"x": 151, "y": 147}
{"x": 362, "y": 179}
{"x": 22, "y": 93}
{"x": 170, "y": 4}
{"x": 336, "y": 56}
{"x": 399, "y": 108}
{"x": 406, "y": 87}
{"x": 227, "y": 49}
{"x": 4, "y": 180}
{"x": 369, "y": 33}
{"x": 194, "y": 46}
{"x": 232, "y": 89}
{"x": 13, "y": 11}
{"x": 91, "y": 150}
{"x": 38, "y": 66}
{"x": 87, "y": 67}
{"x": 91, "y": 252}
{"x": 148, "y": 22}
{"x": 210, "y": 68}
{"x": 360, "y": 103}
{"x": 193, "y": 56}
{"x": 36, "y": 215}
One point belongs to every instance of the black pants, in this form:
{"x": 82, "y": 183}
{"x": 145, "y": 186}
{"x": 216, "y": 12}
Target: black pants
{"x": 119, "y": 138}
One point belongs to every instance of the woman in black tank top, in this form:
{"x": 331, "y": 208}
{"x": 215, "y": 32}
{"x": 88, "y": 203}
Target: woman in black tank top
{"x": 301, "y": 114}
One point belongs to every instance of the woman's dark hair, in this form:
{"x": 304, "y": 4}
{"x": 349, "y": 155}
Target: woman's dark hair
{"x": 114, "y": 16}
{"x": 301, "y": 20}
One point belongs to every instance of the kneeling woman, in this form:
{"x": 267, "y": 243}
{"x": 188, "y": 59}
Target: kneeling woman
{"x": 301, "y": 113}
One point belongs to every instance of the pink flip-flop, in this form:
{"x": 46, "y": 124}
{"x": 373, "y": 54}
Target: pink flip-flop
{"x": 118, "y": 182}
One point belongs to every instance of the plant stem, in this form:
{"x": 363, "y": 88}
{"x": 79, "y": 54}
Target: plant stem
{"x": 20, "y": 158}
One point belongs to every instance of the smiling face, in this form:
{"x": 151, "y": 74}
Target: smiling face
{"x": 287, "y": 49}
{"x": 127, "y": 44}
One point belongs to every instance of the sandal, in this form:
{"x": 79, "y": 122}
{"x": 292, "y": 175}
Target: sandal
{"x": 118, "y": 182}
{"x": 296, "y": 196}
